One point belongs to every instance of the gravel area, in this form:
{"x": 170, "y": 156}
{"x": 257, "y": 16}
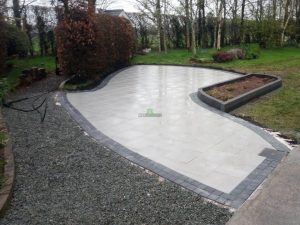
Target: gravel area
{"x": 65, "y": 177}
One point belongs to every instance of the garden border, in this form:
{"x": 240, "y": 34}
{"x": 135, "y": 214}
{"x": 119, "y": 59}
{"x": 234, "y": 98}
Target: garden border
{"x": 231, "y": 104}
{"x": 234, "y": 199}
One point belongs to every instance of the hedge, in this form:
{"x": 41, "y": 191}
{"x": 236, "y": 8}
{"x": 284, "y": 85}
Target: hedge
{"x": 17, "y": 41}
{"x": 89, "y": 45}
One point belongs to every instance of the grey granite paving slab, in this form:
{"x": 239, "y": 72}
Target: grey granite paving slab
{"x": 228, "y": 165}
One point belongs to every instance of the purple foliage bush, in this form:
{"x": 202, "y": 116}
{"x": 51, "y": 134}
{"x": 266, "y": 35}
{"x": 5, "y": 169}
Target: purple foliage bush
{"x": 223, "y": 57}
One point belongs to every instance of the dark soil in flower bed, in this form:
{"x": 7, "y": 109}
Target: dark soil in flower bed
{"x": 227, "y": 91}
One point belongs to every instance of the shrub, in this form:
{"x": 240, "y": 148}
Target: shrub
{"x": 238, "y": 53}
{"x": 223, "y": 57}
{"x": 17, "y": 41}
{"x": 89, "y": 45}
{"x": 252, "y": 51}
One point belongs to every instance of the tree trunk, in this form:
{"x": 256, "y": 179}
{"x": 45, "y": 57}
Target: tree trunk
{"x": 91, "y": 7}
{"x": 199, "y": 23}
{"x": 159, "y": 25}
{"x": 274, "y": 9}
{"x": 241, "y": 39}
{"x": 298, "y": 21}
{"x": 164, "y": 27}
{"x": 223, "y": 30}
{"x": 193, "y": 29}
{"x": 286, "y": 18}
{"x": 202, "y": 26}
{"x": 194, "y": 48}
{"x": 219, "y": 10}
{"x": 234, "y": 38}
{"x": 17, "y": 13}
{"x": 187, "y": 18}
{"x": 219, "y": 37}
{"x": 27, "y": 30}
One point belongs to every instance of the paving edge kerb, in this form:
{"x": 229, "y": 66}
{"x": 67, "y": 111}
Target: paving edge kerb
{"x": 9, "y": 178}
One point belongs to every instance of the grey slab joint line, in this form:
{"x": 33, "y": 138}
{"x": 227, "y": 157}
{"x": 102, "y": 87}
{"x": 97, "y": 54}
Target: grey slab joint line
{"x": 234, "y": 199}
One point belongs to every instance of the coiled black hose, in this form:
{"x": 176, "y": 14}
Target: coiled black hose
{"x": 35, "y": 108}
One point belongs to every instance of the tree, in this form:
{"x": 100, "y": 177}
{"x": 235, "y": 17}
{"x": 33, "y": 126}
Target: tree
{"x": 298, "y": 21}
{"x": 41, "y": 27}
{"x": 188, "y": 23}
{"x": 202, "y": 31}
{"x": 2, "y": 35}
{"x": 17, "y": 12}
{"x": 152, "y": 9}
{"x": 219, "y": 22}
{"x": 288, "y": 6}
{"x": 193, "y": 29}
{"x": 142, "y": 27}
{"x": 241, "y": 38}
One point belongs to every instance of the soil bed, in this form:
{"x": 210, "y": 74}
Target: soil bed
{"x": 227, "y": 91}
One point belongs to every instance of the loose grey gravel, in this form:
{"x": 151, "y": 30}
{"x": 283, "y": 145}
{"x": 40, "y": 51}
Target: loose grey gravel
{"x": 65, "y": 177}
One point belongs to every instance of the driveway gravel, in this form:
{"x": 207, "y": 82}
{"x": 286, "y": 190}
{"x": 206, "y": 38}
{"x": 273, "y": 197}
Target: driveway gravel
{"x": 65, "y": 177}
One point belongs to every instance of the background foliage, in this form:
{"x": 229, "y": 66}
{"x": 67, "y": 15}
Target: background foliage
{"x": 17, "y": 41}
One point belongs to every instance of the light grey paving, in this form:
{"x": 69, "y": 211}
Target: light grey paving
{"x": 187, "y": 138}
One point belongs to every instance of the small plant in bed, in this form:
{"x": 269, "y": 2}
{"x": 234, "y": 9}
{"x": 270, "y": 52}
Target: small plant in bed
{"x": 227, "y": 91}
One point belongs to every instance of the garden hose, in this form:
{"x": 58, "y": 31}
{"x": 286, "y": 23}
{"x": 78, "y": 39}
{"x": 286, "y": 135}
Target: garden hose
{"x": 35, "y": 108}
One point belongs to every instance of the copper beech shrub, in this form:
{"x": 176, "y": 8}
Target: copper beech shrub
{"x": 89, "y": 45}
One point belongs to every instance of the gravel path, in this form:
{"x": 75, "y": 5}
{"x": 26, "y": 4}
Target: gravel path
{"x": 64, "y": 177}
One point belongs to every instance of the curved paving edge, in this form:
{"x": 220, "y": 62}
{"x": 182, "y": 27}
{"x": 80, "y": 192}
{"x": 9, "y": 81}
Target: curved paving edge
{"x": 9, "y": 178}
{"x": 235, "y": 199}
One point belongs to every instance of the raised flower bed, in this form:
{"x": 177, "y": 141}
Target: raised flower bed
{"x": 231, "y": 94}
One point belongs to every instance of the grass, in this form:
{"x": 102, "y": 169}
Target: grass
{"x": 18, "y": 65}
{"x": 174, "y": 56}
{"x": 279, "y": 110}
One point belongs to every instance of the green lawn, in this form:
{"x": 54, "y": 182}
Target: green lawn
{"x": 279, "y": 110}
{"x": 174, "y": 56}
{"x": 18, "y": 65}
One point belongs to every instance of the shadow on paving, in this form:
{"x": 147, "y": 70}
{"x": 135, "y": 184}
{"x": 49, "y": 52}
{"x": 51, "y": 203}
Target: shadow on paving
{"x": 64, "y": 177}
